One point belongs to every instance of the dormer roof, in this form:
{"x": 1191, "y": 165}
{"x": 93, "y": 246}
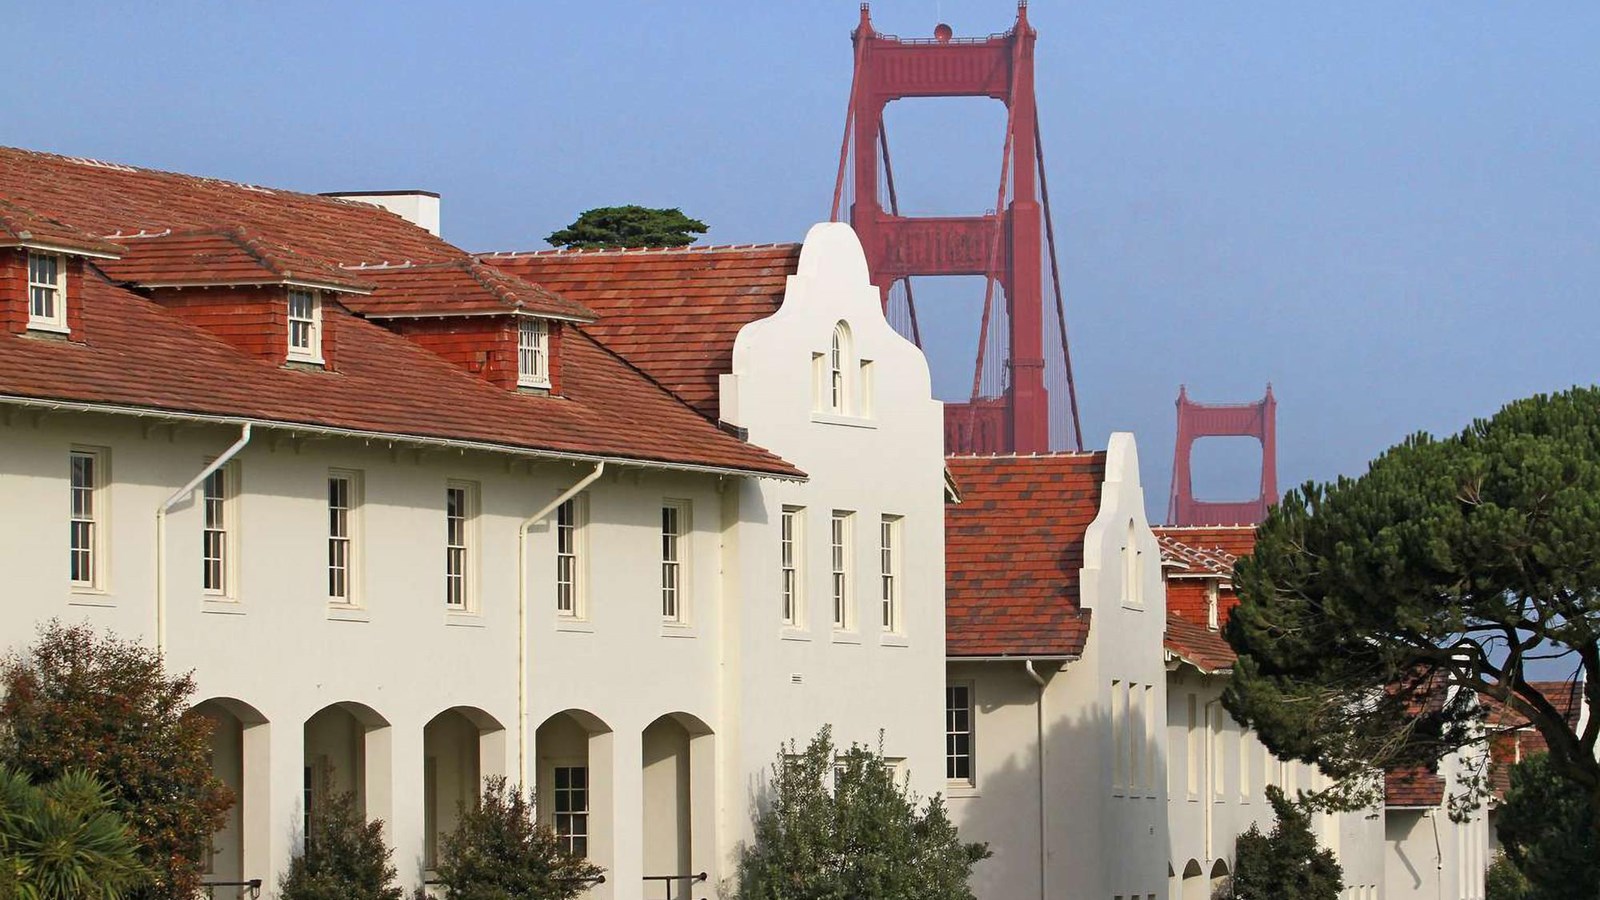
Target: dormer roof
{"x": 223, "y": 257}
{"x": 458, "y": 287}
{"x": 22, "y": 227}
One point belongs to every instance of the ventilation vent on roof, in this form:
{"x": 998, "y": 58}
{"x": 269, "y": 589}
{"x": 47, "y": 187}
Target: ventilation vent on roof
{"x": 796, "y": 678}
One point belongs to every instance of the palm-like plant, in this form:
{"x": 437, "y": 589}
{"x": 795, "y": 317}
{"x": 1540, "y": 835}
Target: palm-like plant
{"x": 63, "y": 841}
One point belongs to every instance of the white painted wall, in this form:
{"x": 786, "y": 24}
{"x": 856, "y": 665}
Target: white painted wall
{"x": 1430, "y": 856}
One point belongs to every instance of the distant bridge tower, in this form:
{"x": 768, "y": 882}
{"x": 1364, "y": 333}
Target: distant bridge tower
{"x": 1197, "y": 420}
{"x": 1010, "y": 409}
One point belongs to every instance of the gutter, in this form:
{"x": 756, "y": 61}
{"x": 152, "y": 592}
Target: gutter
{"x": 161, "y": 530}
{"x": 391, "y": 437}
{"x": 522, "y": 613}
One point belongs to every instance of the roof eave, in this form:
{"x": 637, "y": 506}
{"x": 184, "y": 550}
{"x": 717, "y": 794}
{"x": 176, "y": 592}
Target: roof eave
{"x": 46, "y": 246}
{"x": 265, "y": 282}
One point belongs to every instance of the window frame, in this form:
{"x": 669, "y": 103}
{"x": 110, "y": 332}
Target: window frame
{"x": 533, "y": 357}
{"x": 570, "y": 580}
{"x": 841, "y": 587}
{"x": 311, "y": 323}
{"x": 953, "y": 756}
{"x": 463, "y": 547}
{"x": 224, "y": 480}
{"x": 569, "y": 836}
{"x": 351, "y": 538}
{"x": 675, "y": 555}
{"x": 56, "y": 320}
{"x": 891, "y": 549}
{"x": 791, "y": 565}
{"x": 93, "y": 548}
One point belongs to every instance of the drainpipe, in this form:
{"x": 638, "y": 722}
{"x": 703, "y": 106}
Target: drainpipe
{"x": 522, "y": 614}
{"x": 161, "y": 530}
{"x": 1044, "y": 834}
{"x": 1438, "y": 856}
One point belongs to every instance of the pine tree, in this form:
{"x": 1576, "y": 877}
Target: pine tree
{"x": 1286, "y": 864}
{"x": 1548, "y": 833}
{"x": 628, "y": 226}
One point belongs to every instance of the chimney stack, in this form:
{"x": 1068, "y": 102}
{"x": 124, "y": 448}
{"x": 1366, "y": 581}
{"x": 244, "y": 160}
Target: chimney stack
{"x": 420, "y": 208}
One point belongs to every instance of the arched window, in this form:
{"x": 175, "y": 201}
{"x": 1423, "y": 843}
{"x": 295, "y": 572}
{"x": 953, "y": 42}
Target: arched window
{"x": 838, "y": 385}
{"x": 1132, "y": 595}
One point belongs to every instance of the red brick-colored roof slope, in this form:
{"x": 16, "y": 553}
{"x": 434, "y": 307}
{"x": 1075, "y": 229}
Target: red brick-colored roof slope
{"x": 462, "y": 286}
{"x": 112, "y": 201}
{"x": 228, "y": 256}
{"x": 1513, "y": 738}
{"x": 20, "y": 226}
{"x": 672, "y": 312}
{"x": 1198, "y": 645}
{"x": 133, "y": 353}
{"x": 1413, "y": 787}
{"x": 1213, "y": 543}
{"x": 1013, "y": 551}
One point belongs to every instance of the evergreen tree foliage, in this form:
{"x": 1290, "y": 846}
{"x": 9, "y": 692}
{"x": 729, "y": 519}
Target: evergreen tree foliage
{"x": 628, "y": 226}
{"x": 63, "y": 841}
{"x": 838, "y": 826}
{"x": 345, "y": 857}
{"x": 1439, "y": 573}
{"x": 1286, "y": 864}
{"x": 499, "y": 851}
{"x": 1502, "y": 881}
{"x": 77, "y": 700}
{"x": 1547, "y": 830}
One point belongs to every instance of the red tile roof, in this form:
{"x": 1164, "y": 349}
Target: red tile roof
{"x": 672, "y": 312}
{"x": 1513, "y": 738}
{"x": 1199, "y": 646}
{"x": 459, "y": 287}
{"x": 1212, "y": 549}
{"x": 22, "y": 227}
{"x": 131, "y": 352}
{"x": 1013, "y": 551}
{"x": 227, "y": 256}
{"x": 1413, "y": 787}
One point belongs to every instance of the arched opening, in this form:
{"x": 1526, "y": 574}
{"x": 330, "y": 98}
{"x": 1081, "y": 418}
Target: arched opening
{"x": 1219, "y": 875}
{"x": 347, "y": 749}
{"x": 239, "y": 744}
{"x": 1195, "y": 885}
{"x": 574, "y": 782}
{"x": 679, "y": 806}
{"x": 460, "y": 747}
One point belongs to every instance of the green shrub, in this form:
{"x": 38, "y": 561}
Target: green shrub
{"x": 345, "y": 857}
{"x": 63, "y": 841}
{"x": 498, "y": 851}
{"x": 1286, "y": 864}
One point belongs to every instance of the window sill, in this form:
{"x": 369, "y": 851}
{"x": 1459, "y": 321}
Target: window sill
{"x": 1138, "y": 607}
{"x": 791, "y": 633}
{"x": 669, "y": 630}
{"x": 823, "y": 418}
{"x": 964, "y": 790}
{"x": 846, "y": 637}
{"x": 894, "y": 639}
{"x": 312, "y": 363}
{"x": 574, "y": 625}
{"x": 463, "y": 619}
{"x": 219, "y": 606}
{"x": 48, "y": 327}
{"x": 347, "y": 612}
{"x": 88, "y": 596}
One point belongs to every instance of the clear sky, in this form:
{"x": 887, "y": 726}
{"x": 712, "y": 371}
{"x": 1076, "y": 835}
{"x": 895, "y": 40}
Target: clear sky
{"x": 1390, "y": 211}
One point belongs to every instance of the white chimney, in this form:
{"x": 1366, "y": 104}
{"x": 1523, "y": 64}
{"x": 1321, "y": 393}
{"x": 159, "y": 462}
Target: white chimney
{"x": 421, "y": 208}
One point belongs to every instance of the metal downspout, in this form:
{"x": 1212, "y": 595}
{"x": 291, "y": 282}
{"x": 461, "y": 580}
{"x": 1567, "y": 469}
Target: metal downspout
{"x": 161, "y": 530}
{"x": 522, "y": 614}
{"x": 1044, "y": 869}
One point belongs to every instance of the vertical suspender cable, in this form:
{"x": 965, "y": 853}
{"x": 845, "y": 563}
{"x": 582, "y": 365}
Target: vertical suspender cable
{"x": 1055, "y": 275}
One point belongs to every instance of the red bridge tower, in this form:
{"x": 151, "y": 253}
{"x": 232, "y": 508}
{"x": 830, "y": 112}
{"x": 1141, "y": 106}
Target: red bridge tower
{"x": 1197, "y": 420}
{"x": 1010, "y": 409}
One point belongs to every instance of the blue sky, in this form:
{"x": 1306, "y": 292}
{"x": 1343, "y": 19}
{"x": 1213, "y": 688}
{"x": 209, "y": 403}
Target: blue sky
{"x": 1390, "y": 211}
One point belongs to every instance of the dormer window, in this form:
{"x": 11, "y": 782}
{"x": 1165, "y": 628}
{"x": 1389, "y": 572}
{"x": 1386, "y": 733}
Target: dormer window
{"x": 47, "y": 292}
{"x": 533, "y": 353}
{"x": 305, "y": 326}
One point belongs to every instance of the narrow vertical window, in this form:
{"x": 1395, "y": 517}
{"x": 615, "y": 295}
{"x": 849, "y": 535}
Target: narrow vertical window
{"x": 459, "y": 511}
{"x": 568, "y": 522}
{"x": 889, "y": 565}
{"x": 305, "y": 325}
{"x": 215, "y": 543}
{"x": 1135, "y": 726}
{"x": 1244, "y": 763}
{"x": 674, "y": 522}
{"x": 47, "y": 291}
{"x": 533, "y": 353}
{"x": 1191, "y": 747}
{"x": 85, "y": 475}
{"x": 1214, "y": 753}
{"x": 1118, "y": 729}
{"x": 1150, "y": 739}
{"x": 788, "y": 561}
{"x": 839, "y": 557}
{"x": 343, "y": 497}
{"x": 1212, "y": 619}
{"x": 1132, "y": 586}
{"x": 958, "y": 733}
{"x": 836, "y": 363}
{"x": 572, "y": 808}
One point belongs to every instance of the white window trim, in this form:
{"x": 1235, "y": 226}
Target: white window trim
{"x": 792, "y": 576}
{"x": 227, "y": 477}
{"x": 312, "y": 353}
{"x": 957, "y": 782}
{"x": 841, "y": 570}
{"x": 675, "y": 571}
{"x": 588, "y": 800}
{"x": 354, "y": 501}
{"x": 533, "y": 357}
{"x": 578, "y": 507}
{"x": 468, "y": 547}
{"x": 891, "y": 584}
{"x": 58, "y": 321}
{"x": 98, "y": 518}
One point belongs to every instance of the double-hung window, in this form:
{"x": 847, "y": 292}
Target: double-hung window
{"x": 569, "y": 535}
{"x": 460, "y": 511}
{"x": 839, "y": 561}
{"x": 571, "y": 819}
{"x": 674, "y": 541}
{"x": 889, "y": 569}
{"x": 533, "y": 353}
{"x": 344, "y": 497}
{"x": 47, "y": 292}
{"x": 958, "y": 733}
{"x": 86, "y": 474}
{"x": 790, "y": 539}
{"x": 217, "y": 533}
{"x": 305, "y": 325}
